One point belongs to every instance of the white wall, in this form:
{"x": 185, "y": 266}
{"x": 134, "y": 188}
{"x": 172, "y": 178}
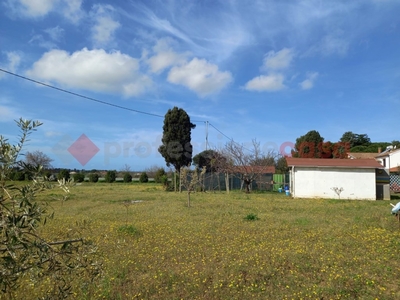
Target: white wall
{"x": 394, "y": 159}
{"x": 318, "y": 183}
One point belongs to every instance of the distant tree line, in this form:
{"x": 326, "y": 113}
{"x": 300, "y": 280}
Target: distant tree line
{"x": 313, "y": 145}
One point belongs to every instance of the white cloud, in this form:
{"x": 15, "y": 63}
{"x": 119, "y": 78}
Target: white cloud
{"x": 272, "y": 82}
{"x": 163, "y": 60}
{"x": 39, "y": 40}
{"x": 55, "y": 33}
{"x": 104, "y": 29}
{"x": 200, "y": 76}
{"x": 278, "y": 60}
{"x": 165, "y": 56}
{"x": 273, "y": 61}
{"x": 105, "y": 25}
{"x": 12, "y": 63}
{"x": 309, "y": 82}
{"x": 70, "y": 9}
{"x": 14, "y": 59}
{"x": 8, "y": 114}
{"x": 37, "y": 8}
{"x": 94, "y": 70}
{"x": 330, "y": 44}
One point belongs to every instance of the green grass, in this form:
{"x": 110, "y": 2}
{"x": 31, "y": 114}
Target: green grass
{"x": 161, "y": 249}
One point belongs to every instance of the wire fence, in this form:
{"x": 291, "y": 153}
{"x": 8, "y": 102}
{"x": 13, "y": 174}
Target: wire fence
{"x": 220, "y": 182}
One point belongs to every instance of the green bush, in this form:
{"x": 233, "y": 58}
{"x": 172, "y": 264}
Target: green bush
{"x": 79, "y": 177}
{"x": 251, "y": 217}
{"x": 165, "y": 182}
{"x": 129, "y": 230}
{"x": 18, "y": 176}
{"x": 127, "y": 177}
{"x": 93, "y": 177}
{"x": 64, "y": 173}
{"x": 143, "y": 177}
{"x": 110, "y": 176}
{"x": 159, "y": 174}
{"x": 47, "y": 174}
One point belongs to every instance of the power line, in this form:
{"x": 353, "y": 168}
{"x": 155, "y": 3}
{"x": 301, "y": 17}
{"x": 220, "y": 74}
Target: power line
{"x": 220, "y": 132}
{"x": 231, "y": 139}
{"x": 106, "y": 103}
{"x": 85, "y": 97}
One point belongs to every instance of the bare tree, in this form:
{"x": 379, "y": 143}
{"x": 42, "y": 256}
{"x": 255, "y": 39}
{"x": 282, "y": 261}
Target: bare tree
{"x": 247, "y": 164}
{"x": 191, "y": 179}
{"x": 220, "y": 163}
{"x": 126, "y": 168}
{"x": 38, "y": 158}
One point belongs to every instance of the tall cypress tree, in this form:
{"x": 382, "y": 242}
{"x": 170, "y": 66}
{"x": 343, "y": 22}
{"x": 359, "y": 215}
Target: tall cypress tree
{"x": 176, "y": 145}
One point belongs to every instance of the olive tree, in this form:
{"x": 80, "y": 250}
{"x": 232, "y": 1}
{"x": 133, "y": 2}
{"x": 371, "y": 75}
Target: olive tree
{"x": 24, "y": 252}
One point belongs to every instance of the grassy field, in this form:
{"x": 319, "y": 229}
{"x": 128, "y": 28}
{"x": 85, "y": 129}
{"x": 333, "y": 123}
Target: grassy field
{"x": 228, "y": 246}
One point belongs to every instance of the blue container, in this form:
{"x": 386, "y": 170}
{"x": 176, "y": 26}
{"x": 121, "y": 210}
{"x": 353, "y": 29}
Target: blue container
{"x": 280, "y": 190}
{"x": 287, "y": 193}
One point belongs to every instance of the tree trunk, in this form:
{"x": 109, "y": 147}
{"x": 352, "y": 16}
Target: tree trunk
{"x": 247, "y": 182}
{"x": 175, "y": 181}
{"x": 188, "y": 199}
{"x": 227, "y": 182}
{"x": 180, "y": 183}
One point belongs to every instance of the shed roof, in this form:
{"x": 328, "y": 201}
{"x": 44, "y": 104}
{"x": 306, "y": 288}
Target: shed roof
{"x": 394, "y": 169}
{"x": 336, "y": 163}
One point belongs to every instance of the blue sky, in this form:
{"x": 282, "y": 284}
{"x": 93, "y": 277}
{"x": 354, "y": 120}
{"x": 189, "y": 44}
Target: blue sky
{"x": 265, "y": 70}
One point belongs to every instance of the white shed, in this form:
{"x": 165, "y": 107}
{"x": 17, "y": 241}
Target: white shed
{"x": 333, "y": 178}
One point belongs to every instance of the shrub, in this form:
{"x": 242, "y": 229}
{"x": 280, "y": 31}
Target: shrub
{"x": 129, "y": 230}
{"x": 18, "y": 176}
{"x": 110, "y": 176}
{"x": 251, "y": 217}
{"x": 47, "y": 174}
{"x": 79, "y": 177}
{"x": 93, "y": 177}
{"x": 64, "y": 173}
{"x": 164, "y": 181}
{"x": 127, "y": 177}
{"x": 143, "y": 177}
{"x": 159, "y": 174}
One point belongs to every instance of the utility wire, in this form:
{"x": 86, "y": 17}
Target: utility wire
{"x": 86, "y": 97}
{"x": 107, "y": 103}
{"x": 231, "y": 139}
{"x": 220, "y": 132}
{"x": 80, "y": 95}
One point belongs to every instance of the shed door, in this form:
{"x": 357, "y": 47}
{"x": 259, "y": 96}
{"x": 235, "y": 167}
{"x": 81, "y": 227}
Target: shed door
{"x": 379, "y": 192}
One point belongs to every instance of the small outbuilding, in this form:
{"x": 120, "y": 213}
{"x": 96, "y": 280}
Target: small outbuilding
{"x": 334, "y": 178}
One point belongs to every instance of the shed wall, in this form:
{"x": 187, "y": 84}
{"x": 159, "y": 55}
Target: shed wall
{"x": 313, "y": 182}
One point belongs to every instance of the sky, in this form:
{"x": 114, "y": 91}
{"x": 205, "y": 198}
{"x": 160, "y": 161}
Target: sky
{"x": 264, "y": 70}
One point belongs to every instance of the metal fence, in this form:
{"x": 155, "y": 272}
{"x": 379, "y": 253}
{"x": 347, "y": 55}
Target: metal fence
{"x": 395, "y": 183}
{"x": 217, "y": 182}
